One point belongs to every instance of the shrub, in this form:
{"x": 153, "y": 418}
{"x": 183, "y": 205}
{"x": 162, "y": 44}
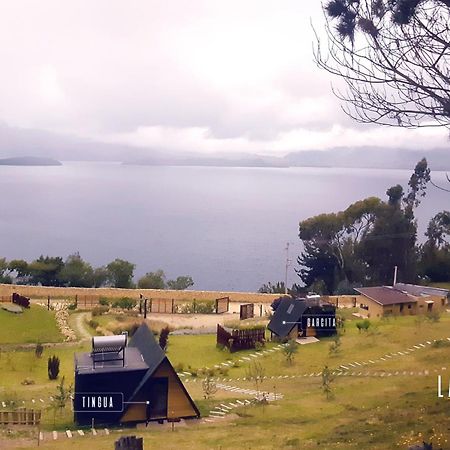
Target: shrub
{"x": 164, "y": 338}
{"x": 27, "y": 382}
{"x": 440, "y": 343}
{"x": 103, "y": 301}
{"x": 179, "y": 367}
{"x": 53, "y": 367}
{"x": 72, "y": 306}
{"x": 434, "y": 316}
{"x": 259, "y": 346}
{"x": 124, "y": 303}
{"x": 99, "y": 310}
{"x": 363, "y": 325}
{"x": 289, "y": 350}
{"x": 93, "y": 324}
{"x": 39, "y": 350}
{"x": 205, "y": 308}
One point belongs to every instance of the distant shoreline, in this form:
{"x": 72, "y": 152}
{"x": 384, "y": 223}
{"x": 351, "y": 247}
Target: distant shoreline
{"x": 29, "y": 161}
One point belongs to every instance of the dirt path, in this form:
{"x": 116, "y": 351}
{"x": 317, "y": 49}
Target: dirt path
{"x": 80, "y": 327}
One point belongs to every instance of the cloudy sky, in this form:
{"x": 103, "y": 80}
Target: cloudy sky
{"x": 210, "y": 76}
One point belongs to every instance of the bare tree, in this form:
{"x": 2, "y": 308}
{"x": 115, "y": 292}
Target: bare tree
{"x": 394, "y": 56}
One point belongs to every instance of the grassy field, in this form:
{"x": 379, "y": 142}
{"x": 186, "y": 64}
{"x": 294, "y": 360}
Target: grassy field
{"x": 33, "y": 325}
{"x": 369, "y": 412}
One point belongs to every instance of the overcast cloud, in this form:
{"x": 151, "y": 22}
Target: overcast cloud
{"x": 210, "y": 76}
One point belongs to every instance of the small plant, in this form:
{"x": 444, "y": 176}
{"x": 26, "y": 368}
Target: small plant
{"x": 39, "y": 350}
{"x": 27, "y": 382}
{"x": 363, "y": 325}
{"x": 259, "y": 346}
{"x": 209, "y": 387}
{"x": 433, "y": 316}
{"x": 327, "y": 379}
{"x": 440, "y": 343}
{"x": 289, "y": 350}
{"x": 72, "y": 307}
{"x": 335, "y": 346}
{"x": 53, "y": 367}
{"x": 256, "y": 372}
{"x": 164, "y": 338}
{"x": 99, "y": 310}
{"x": 179, "y": 367}
{"x": 93, "y": 324}
{"x": 103, "y": 301}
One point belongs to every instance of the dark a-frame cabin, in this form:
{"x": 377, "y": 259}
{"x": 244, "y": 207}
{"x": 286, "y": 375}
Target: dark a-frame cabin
{"x": 292, "y": 319}
{"x": 141, "y": 377}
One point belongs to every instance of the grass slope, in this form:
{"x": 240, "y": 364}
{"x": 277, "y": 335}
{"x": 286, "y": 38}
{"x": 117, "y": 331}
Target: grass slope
{"x": 33, "y": 325}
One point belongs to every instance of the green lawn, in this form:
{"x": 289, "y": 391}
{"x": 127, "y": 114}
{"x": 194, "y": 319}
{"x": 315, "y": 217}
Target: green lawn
{"x": 374, "y": 413}
{"x": 33, "y": 325}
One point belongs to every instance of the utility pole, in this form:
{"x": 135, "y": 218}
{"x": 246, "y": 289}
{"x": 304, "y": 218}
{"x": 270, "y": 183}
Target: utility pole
{"x": 288, "y": 263}
{"x": 395, "y": 275}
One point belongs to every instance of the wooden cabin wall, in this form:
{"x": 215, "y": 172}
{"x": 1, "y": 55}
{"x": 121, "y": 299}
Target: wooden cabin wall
{"x": 178, "y": 402}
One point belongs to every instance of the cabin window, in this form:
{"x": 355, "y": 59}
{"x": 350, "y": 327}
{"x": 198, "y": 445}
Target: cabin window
{"x": 409, "y": 306}
{"x": 401, "y": 307}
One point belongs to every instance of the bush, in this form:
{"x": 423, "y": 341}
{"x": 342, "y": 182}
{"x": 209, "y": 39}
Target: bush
{"x": 434, "y": 316}
{"x": 93, "y": 324}
{"x": 27, "y": 382}
{"x": 39, "y": 350}
{"x": 99, "y": 310}
{"x": 363, "y": 325}
{"x": 72, "y": 307}
{"x": 179, "y": 367}
{"x": 205, "y": 308}
{"x": 259, "y": 346}
{"x": 164, "y": 338}
{"x": 53, "y": 367}
{"x": 103, "y": 301}
{"x": 124, "y": 303}
{"x": 440, "y": 343}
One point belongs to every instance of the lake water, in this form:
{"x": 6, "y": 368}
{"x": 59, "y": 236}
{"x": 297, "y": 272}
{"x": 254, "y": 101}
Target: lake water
{"x": 226, "y": 227}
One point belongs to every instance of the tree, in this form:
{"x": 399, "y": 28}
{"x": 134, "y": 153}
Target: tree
{"x": 100, "y": 276}
{"x": 4, "y": 276}
{"x": 181, "y": 283}
{"x": 153, "y": 280}
{"x": 76, "y": 272}
{"x": 393, "y": 56}
{"x": 434, "y": 263}
{"x": 289, "y": 350}
{"x": 275, "y": 288}
{"x": 121, "y": 273}
{"x": 46, "y": 270}
{"x": 20, "y": 270}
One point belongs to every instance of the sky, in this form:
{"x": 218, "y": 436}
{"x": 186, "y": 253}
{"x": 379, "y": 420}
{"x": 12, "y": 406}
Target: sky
{"x": 193, "y": 76}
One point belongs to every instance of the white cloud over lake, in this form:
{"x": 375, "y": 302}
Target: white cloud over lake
{"x": 206, "y": 76}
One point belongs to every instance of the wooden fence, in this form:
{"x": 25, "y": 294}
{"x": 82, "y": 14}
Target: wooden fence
{"x": 222, "y": 305}
{"x": 20, "y": 417}
{"x": 240, "y": 339}
{"x": 5, "y": 299}
{"x": 247, "y": 311}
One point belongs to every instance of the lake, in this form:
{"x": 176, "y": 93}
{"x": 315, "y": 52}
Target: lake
{"x": 226, "y": 227}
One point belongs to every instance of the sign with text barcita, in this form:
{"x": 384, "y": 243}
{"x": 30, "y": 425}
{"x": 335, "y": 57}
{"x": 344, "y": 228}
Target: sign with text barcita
{"x": 323, "y": 322}
{"x": 98, "y": 402}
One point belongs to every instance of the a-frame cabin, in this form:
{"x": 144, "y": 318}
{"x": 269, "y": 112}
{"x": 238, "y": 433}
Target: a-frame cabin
{"x": 125, "y": 384}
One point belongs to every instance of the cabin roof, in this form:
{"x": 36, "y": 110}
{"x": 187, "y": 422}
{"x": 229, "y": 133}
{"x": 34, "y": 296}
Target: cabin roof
{"x": 386, "y": 295}
{"x": 288, "y": 313}
{"x": 418, "y": 291}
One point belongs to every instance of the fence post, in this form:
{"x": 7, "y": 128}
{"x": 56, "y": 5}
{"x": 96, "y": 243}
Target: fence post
{"x": 76, "y": 301}
{"x": 48, "y": 303}
{"x": 145, "y": 308}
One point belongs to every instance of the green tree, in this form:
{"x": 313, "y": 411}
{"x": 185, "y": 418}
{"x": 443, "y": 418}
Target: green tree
{"x": 121, "y": 273}
{"x": 20, "y": 270}
{"x": 100, "y": 277}
{"x": 434, "y": 262}
{"x": 46, "y": 270}
{"x": 327, "y": 379}
{"x": 76, "y": 272}
{"x": 153, "y": 280}
{"x": 181, "y": 283}
{"x": 5, "y": 277}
